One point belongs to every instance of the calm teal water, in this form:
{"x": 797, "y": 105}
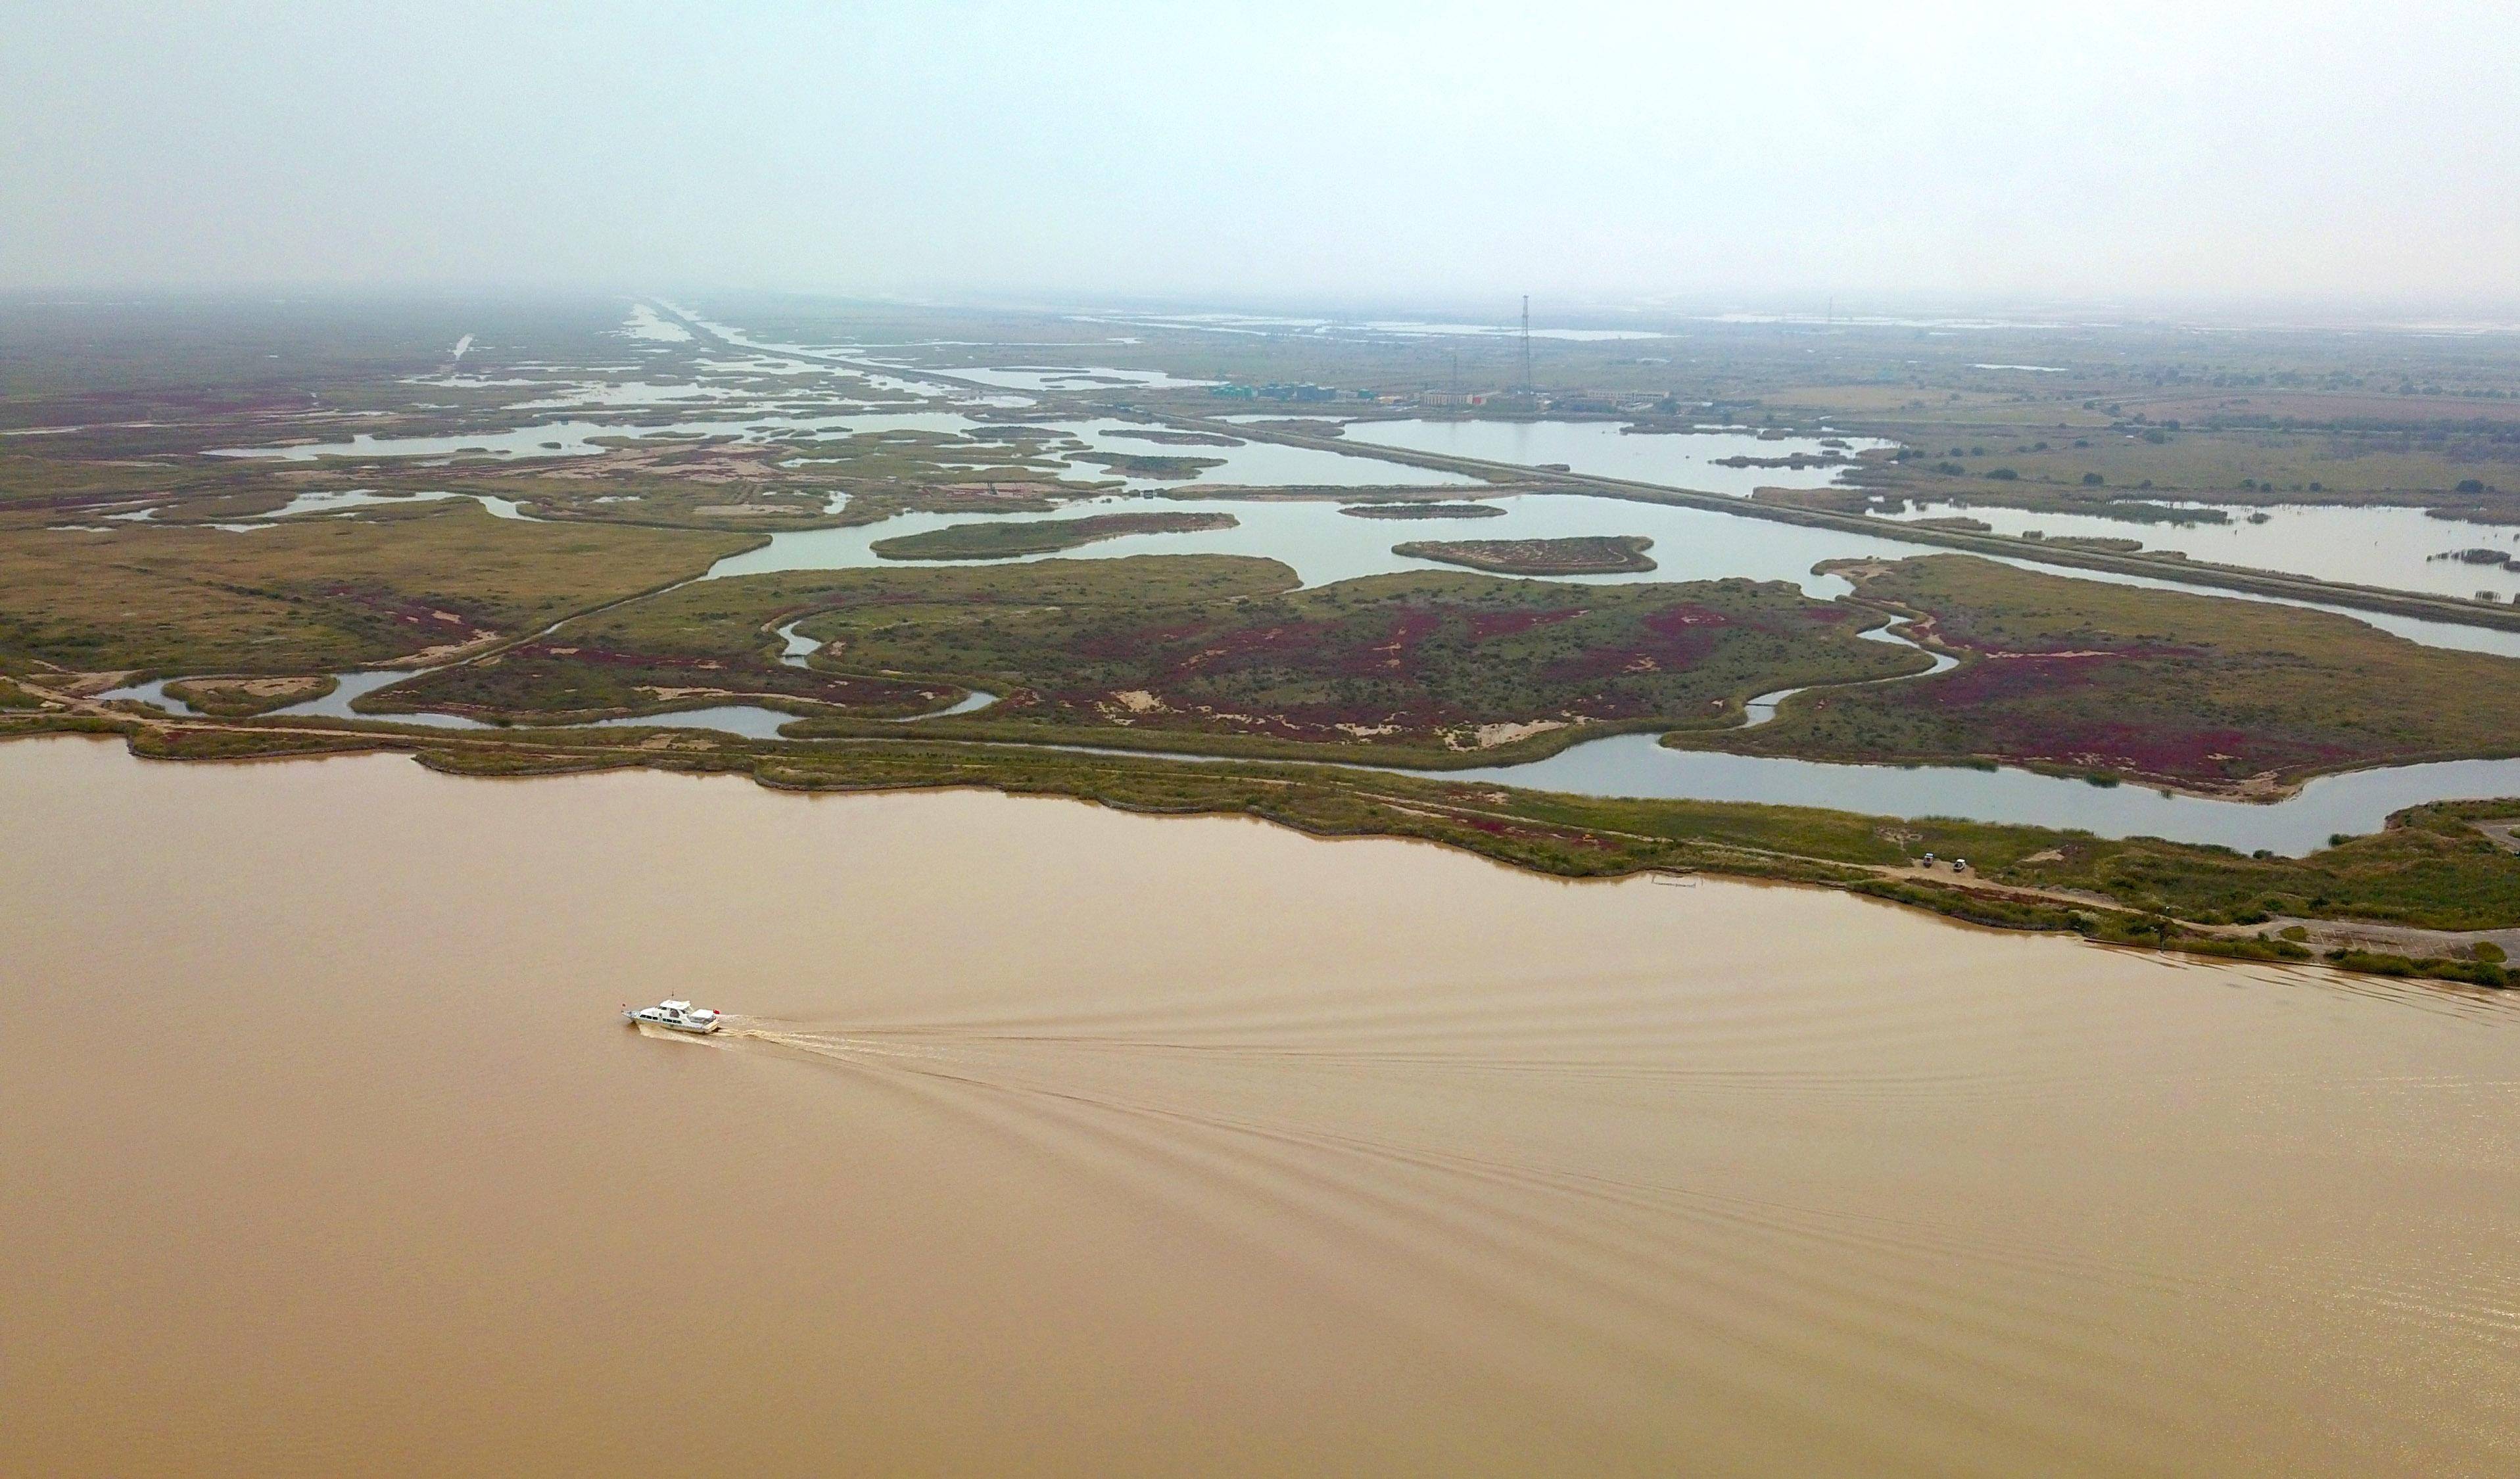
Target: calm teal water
{"x": 2356, "y": 802}
{"x": 1607, "y": 449}
{"x": 2394, "y": 547}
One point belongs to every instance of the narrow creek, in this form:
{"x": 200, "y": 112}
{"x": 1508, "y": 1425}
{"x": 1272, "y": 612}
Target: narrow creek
{"x": 1762, "y": 709}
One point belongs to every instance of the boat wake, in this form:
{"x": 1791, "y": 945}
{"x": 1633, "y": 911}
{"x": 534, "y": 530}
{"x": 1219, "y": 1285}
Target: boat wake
{"x": 669, "y": 1035}
{"x": 1594, "y": 1189}
{"x": 1370, "y": 1167}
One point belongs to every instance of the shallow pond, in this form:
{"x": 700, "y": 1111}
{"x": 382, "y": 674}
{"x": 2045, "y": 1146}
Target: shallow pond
{"x": 2352, "y": 803}
{"x": 1607, "y": 449}
{"x": 1252, "y": 463}
{"x": 2388, "y": 547}
{"x": 1324, "y": 544}
{"x": 153, "y": 694}
{"x": 347, "y": 499}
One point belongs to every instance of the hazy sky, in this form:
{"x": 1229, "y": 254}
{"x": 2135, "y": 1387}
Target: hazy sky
{"x": 1339, "y": 153}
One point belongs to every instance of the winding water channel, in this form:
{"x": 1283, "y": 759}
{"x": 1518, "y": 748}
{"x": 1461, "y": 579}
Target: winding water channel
{"x": 2402, "y": 549}
{"x": 1608, "y": 449}
{"x": 2351, "y": 803}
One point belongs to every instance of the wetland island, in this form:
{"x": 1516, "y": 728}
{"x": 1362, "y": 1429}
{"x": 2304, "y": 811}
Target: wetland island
{"x": 1583, "y": 555}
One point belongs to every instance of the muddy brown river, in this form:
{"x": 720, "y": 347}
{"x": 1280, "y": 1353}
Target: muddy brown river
{"x": 1050, "y": 1140}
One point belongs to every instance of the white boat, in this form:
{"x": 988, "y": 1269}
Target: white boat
{"x": 678, "y": 1016}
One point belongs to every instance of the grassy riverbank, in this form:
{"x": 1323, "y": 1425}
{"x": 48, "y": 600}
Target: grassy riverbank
{"x": 2432, "y": 867}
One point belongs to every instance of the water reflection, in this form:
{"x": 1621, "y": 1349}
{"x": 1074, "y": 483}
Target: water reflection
{"x": 2352, "y": 803}
{"x": 1607, "y": 449}
{"x": 1324, "y": 545}
{"x": 2392, "y": 546}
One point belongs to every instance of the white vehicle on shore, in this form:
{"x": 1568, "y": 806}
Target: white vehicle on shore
{"x": 676, "y": 1017}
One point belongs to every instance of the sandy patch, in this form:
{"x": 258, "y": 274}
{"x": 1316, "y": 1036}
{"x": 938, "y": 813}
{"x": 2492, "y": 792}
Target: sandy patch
{"x": 263, "y": 688}
{"x": 670, "y": 695}
{"x": 449, "y": 652}
{"x": 1490, "y": 735}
